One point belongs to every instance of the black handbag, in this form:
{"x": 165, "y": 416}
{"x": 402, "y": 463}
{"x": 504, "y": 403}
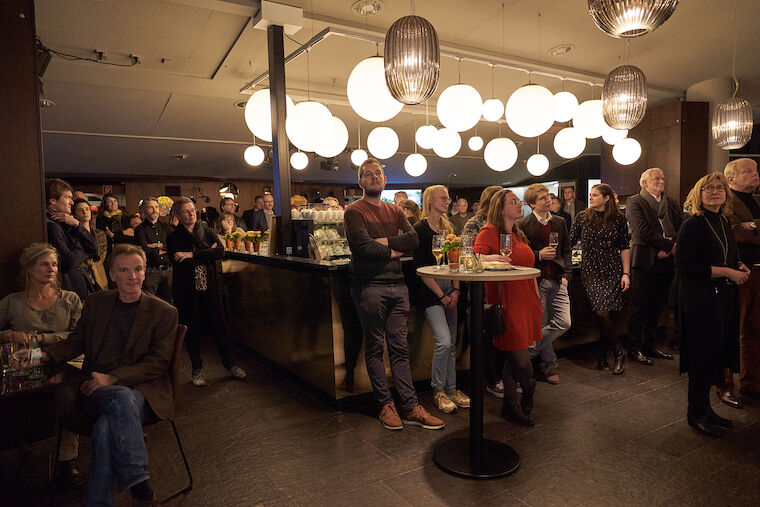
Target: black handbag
{"x": 493, "y": 319}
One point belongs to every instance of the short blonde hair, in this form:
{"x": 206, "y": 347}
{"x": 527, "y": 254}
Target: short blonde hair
{"x": 693, "y": 203}
{"x": 648, "y": 174}
{"x": 29, "y": 257}
{"x": 531, "y": 193}
{"x": 330, "y": 201}
{"x": 731, "y": 169}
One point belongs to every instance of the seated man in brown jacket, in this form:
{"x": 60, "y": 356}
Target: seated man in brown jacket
{"x": 127, "y": 337}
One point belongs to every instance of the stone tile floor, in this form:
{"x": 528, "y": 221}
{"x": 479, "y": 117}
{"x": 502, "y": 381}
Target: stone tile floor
{"x": 599, "y": 440}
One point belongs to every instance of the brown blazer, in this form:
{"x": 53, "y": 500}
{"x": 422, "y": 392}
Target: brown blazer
{"x": 740, "y": 213}
{"x": 146, "y": 355}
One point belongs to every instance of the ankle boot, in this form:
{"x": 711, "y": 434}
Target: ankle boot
{"x": 526, "y": 402}
{"x": 617, "y": 369}
{"x": 718, "y": 420}
{"x": 601, "y": 363}
{"x": 512, "y": 412}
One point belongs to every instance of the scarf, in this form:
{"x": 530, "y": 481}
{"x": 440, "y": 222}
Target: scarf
{"x": 661, "y": 209}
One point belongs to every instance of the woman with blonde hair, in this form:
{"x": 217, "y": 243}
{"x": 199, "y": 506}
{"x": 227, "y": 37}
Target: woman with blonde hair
{"x": 438, "y": 298}
{"x": 709, "y": 271}
{"x": 226, "y": 225}
{"x": 519, "y": 300}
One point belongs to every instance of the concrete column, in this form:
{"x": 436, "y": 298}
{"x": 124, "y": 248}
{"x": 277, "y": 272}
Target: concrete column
{"x": 712, "y": 91}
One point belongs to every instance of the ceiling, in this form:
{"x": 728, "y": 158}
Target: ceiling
{"x": 196, "y": 55}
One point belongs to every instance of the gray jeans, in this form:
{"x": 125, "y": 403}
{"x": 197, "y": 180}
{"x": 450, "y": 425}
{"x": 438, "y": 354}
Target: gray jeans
{"x": 444, "y": 324}
{"x": 556, "y": 320}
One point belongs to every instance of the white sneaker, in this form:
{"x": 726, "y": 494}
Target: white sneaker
{"x": 496, "y": 389}
{"x": 443, "y": 402}
{"x": 237, "y": 372}
{"x": 198, "y": 379}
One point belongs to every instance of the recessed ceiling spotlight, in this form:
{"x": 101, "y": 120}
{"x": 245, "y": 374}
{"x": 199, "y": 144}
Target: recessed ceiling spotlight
{"x": 241, "y": 105}
{"x": 367, "y": 7}
{"x": 179, "y": 156}
{"x": 44, "y": 103}
{"x": 562, "y": 49}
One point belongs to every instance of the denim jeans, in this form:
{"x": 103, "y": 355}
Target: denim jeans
{"x": 556, "y": 320}
{"x": 444, "y": 324}
{"x": 118, "y": 448}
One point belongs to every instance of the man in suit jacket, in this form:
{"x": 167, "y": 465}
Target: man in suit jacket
{"x": 554, "y": 263}
{"x": 654, "y": 219}
{"x": 571, "y": 205}
{"x": 261, "y": 220}
{"x": 745, "y": 220}
{"x": 258, "y": 204}
{"x": 127, "y": 337}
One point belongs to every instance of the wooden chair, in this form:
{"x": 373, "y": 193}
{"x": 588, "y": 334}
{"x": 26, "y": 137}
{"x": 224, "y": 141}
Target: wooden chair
{"x": 80, "y": 423}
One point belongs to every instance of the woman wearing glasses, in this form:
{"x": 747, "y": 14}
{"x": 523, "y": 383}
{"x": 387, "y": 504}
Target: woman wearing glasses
{"x": 519, "y": 299}
{"x": 605, "y": 266}
{"x": 709, "y": 272}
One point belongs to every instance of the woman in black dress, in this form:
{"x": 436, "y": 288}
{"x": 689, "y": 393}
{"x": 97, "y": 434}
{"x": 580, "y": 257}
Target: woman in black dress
{"x": 709, "y": 271}
{"x": 605, "y": 266}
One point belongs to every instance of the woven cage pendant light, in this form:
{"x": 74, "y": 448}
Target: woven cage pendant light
{"x": 412, "y": 60}
{"x": 625, "y": 19}
{"x": 624, "y": 97}
{"x": 732, "y": 123}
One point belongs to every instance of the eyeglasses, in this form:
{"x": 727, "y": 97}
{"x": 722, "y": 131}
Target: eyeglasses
{"x": 515, "y": 201}
{"x": 715, "y": 189}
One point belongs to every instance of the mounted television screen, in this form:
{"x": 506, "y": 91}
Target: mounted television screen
{"x": 414, "y": 194}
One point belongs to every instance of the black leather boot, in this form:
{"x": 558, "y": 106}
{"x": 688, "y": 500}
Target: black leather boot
{"x": 602, "y": 364}
{"x": 68, "y": 475}
{"x": 526, "y": 402}
{"x": 718, "y": 420}
{"x": 511, "y": 411}
{"x": 617, "y": 368}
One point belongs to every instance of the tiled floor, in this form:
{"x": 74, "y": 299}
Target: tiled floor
{"x": 599, "y": 440}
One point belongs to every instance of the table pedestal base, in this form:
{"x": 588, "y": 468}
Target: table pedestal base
{"x": 498, "y": 459}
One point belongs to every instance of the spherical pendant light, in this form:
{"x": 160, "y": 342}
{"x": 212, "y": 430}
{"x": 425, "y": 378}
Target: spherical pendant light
{"x": 309, "y": 125}
{"x": 732, "y": 123}
{"x": 425, "y": 136}
{"x": 253, "y": 155}
{"x": 447, "y": 143}
{"x": 258, "y": 114}
{"x": 538, "y": 164}
{"x": 500, "y": 154}
{"x": 624, "y": 97}
{"x": 627, "y": 151}
{"x": 493, "y": 109}
{"x": 613, "y": 136}
{"x": 530, "y": 111}
{"x": 412, "y": 60}
{"x": 368, "y": 93}
{"x": 630, "y": 18}
{"x": 569, "y": 142}
{"x": 299, "y": 160}
{"x": 588, "y": 119}
{"x": 382, "y": 142}
{"x": 459, "y": 107}
{"x": 358, "y": 157}
{"x": 475, "y": 143}
{"x": 415, "y": 164}
{"x": 565, "y": 104}
{"x": 337, "y": 142}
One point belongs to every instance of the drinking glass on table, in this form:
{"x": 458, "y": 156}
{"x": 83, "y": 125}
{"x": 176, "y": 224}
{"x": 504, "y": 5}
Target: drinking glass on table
{"x": 21, "y": 357}
{"x": 6, "y": 349}
{"x": 466, "y": 259}
{"x": 505, "y": 244}
{"x": 438, "y": 249}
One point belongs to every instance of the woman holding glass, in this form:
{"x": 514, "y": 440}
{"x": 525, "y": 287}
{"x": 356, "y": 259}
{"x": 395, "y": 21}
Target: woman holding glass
{"x": 44, "y": 307}
{"x": 709, "y": 272}
{"x": 502, "y": 240}
{"x": 439, "y": 299}
{"x": 605, "y": 266}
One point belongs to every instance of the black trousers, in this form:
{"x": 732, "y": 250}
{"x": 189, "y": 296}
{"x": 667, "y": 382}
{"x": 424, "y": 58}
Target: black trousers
{"x": 699, "y": 395}
{"x": 204, "y": 312}
{"x": 159, "y": 282}
{"x": 651, "y": 291}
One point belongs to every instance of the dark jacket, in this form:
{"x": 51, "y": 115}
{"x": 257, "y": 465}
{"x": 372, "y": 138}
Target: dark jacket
{"x": 147, "y": 352}
{"x": 114, "y": 225}
{"x": 564, "y": 216}
{"x": 534, "y": 231}
{"x": 749, "y": 241}
{"x": 75, "y": 245}
{"x": 248, "y": 218}
{"x": 579, "y": 206}
{"x": 256, "y": 221}
{"x": 207, "y": 250}
{"x": 647, "y": 238}
{"x": 421, "y": 294}
{"x": 146, "y": 234}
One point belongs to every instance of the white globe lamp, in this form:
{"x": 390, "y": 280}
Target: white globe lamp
{"x": 613, "y": 136}
{"x": 382, "y": 142}
{"x": 447, "y": 143}
{"x": 368, "y": 94}
{"x": 425, "y": 136}
{"x": 309, "y": 125}
{"x": 337, "y": 143}
{"x": 538, "y": 164}
{"x": 258, "y": 114}
{"x": 299, "y": 160}
{"x": 253, "y": 155}
{"x": 493, "y": 109}
{"x": 475, "y": 143}
{"x": 459, "y": 107}
{"x": 500, "y": 154}
{"x": 569, "y": 142}
{"x": 358, "y": 157}
{"x": 530, "y": 111}
{"x": 415, "y": 164}
{"x": 588, "y": 118}
{"x": 627, "y": 151}
{"x": 565, "y": 104}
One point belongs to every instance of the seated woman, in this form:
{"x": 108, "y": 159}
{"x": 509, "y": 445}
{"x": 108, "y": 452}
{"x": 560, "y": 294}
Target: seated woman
{"x": 43, "y": 306}
{"x": 226, "y": 225}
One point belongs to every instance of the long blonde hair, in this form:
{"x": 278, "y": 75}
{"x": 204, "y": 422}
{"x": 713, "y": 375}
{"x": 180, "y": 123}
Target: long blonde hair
{"x": 693, "y": 204}
{"x": 29, "y": 257}
{"x": 494, "y": 214}
{"x": 427, "y": 196}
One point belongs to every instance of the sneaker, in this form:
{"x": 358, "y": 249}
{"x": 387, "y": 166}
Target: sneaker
{"x": 460, "y": 399}
{"x": 419, "y": 417}
{"x": 389, "y": 417}
{"x": 551, "y": 377}
{"x": 198, "y": 379}
{"x": 518, "y": 388}
{"x": 496, "y": 389}
{"x": 237, "y": 372}
{"x": 443, "y": 402}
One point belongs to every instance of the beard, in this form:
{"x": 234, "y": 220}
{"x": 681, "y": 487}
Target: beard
{"x": 372, "y": 193}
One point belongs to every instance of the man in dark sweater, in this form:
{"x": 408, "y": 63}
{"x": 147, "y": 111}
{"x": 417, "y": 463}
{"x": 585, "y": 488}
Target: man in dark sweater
{"x": 377, "y": 233}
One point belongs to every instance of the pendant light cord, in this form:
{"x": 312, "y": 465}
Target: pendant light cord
{"x": 733, "y": 63}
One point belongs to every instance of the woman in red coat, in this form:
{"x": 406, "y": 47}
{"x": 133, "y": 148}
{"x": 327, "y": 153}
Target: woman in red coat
{"x": 520, "y": 300}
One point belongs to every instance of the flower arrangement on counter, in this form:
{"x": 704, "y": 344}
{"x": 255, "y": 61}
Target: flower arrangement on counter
{"x": 451, "y": 243}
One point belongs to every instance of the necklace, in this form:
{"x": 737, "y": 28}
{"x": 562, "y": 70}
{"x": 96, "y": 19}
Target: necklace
{"x": 724, "y": 243}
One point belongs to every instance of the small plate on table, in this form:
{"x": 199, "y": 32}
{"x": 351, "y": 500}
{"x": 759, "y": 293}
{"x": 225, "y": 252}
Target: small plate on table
{"x": 497, "y": 266}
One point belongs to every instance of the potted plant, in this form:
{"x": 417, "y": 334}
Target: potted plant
{"x": 228, "y": 240}
{"x": 248, "y": 240}
{"x": 452, "y": 244}
{"x": 257, "y": 239}
{"x": 237, "y": 238}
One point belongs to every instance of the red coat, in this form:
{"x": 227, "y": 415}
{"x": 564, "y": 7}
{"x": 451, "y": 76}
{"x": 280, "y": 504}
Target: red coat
{"x": 522, "y": 306}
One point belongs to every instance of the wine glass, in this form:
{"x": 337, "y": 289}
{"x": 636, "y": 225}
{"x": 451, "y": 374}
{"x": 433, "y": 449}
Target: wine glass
{"x": 505, "y": 244}
{"x": 438, "y": 249}
{"x": 553, "y": 239}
